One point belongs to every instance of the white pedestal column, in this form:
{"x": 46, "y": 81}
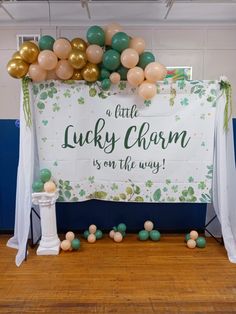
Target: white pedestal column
{"x": 50, "y": 243}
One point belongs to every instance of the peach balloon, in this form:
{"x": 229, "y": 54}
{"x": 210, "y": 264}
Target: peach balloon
{"x": 91, "y": 238}
{"x": 47, "y": 60}
{"x": 155, "y": 71}
{"x": 70, "y": 235}
{"x": 147, "y": 90}
{"x": 129, "y": 58}
{"x": 135, "y": 76}
{"x": 50, "y": 187}
{"x": 138, "y": 44}
{"x": 65, "y": 245}
{"x": 148, "y": 225}
{"x": 94, "y": 54}
{"x": 51, "y": 75}
{"x": 118, "y": 237}
{"x": 62, "y": 48}
{"x": 193, "y": 235}
{"x": 111, "y": 234}
{"x": 92, "y": 229}
{"x": 191, "y": 244}
{"x": 64, "y": 70}
{"x": 110, "y": 31}
{"x": 115, "y": 78}
{"x": 37, "y": 73}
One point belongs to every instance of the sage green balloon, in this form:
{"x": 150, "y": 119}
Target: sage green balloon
{"x": 145, "y": 58}
{"x": 121, "y": 227}
{"x": 86, "y": 234}
{"x": 123, "y": 73}
{"x": 106, "y": 84}
{"x": 46, "y": 42}
{"x": 45, "y": 175}
{"x": 37, "y": 186}
{"x": 75, "y": 244}
{"x": 96, "y": 35}
{"x": 143, "y": 235}
{"x": 120, "y": 41}
{"x": 98, "y": 234}
{"x": 155, "y": 235}
{"x": 201, "y": 242}
{"x": 111, "y": 60}
{"x": 187, "y": 237}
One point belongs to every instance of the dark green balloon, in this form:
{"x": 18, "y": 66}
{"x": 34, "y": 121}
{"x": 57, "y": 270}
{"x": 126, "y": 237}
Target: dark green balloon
{"x": 120, "y": 41}
{"x": 145, "y": 58}
{"x": 37, "y": 186}
{"x": 75, "y": 244}
{"x": 121, "y": 227}
{"x": 143, "y": 235}
{"x": 123, "y": 73}
{"x": 86, "y": 234}
{"x": 106, "y": 84}
{"x": 111, "y": 59}
{"x": 187, "y": 237}
{"x": 155, "y": 235}
{"x": 104, "y": 74}
{"x": 96, "y": 35}
{"x": 45, "y": 175}
{"x": 201, "y": 242}
{"x": 46, "y": 42}
{"x": 98, "y": 234}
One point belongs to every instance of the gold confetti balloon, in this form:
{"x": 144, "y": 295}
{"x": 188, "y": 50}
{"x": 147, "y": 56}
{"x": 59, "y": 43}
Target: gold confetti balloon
{"x": 29, "y": 51}
{"x": 17, "y": 68}
{"x": 77, "y": 76}
{"x": 90, "y": 72}
{"x": 78, "y": 43}
{"x": 77, "y": 59}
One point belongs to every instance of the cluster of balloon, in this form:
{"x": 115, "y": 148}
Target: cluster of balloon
{"x": 193, "y": 240}
{"x": 109, "y": 55}
{"x": 149, "y": 232}
{"x": 44, "y": 183}
{"x": 93, "y": 234}
{"x": 70, "y": 243}
{"x": 118, "y": 233}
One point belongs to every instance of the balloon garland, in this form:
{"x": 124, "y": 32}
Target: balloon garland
{"x": 109, "y": 55}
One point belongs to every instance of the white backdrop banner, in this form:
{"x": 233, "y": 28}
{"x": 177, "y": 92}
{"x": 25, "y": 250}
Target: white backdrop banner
{"x": 113, "y": 146}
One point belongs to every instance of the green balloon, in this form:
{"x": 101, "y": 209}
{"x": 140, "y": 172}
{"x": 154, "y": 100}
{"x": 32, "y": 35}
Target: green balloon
{"x": 123, "y": 233}
{"x": 96, "y": 35}
{"x": 46, "y": 42}
{"x": 98, "y": 234}
{"x": 86, "y": 234}
{"x": 115, "y": 228}
{"x": 111, "y": 60}
{"x": 187, "y": 237}
{"x": 201, "y": 242}
{"x": 75, "y": 244}
{"x": 104, "y": 74}
{"x": 120, "y": 41}
{"x": 106, "y": 84}
{"x": 143, "y": 235}
{"x": 145, "y": 58}
{"x": 45, "y": 175}
{"x": 37, "y": 186}
{"x": 155, "y": 235}
{"x": 121, "y": 227}
{"x": 123, "y": 73}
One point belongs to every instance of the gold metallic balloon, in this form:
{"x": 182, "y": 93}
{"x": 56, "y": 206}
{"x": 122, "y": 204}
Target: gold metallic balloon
{"x": 78, "y": 43}
{"x": 16, "y": 55}
{"x": 77, "y": 58}
{"x": 29, "y": 51}
{"x": 90, "y": 72}
{"x": 77, "y": 75}
{"x": 17, "y": 68}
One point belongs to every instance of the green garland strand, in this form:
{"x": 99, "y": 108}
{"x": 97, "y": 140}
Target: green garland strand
{"x": 227, "y": 89}
{"x": 26, "y": 101}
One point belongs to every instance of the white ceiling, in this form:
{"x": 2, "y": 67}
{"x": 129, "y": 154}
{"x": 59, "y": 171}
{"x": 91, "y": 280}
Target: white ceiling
{"x": 129, "y": 12}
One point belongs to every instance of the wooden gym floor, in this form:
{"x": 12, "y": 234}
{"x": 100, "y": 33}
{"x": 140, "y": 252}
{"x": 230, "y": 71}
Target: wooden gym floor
{"x": 129, "y": 277}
